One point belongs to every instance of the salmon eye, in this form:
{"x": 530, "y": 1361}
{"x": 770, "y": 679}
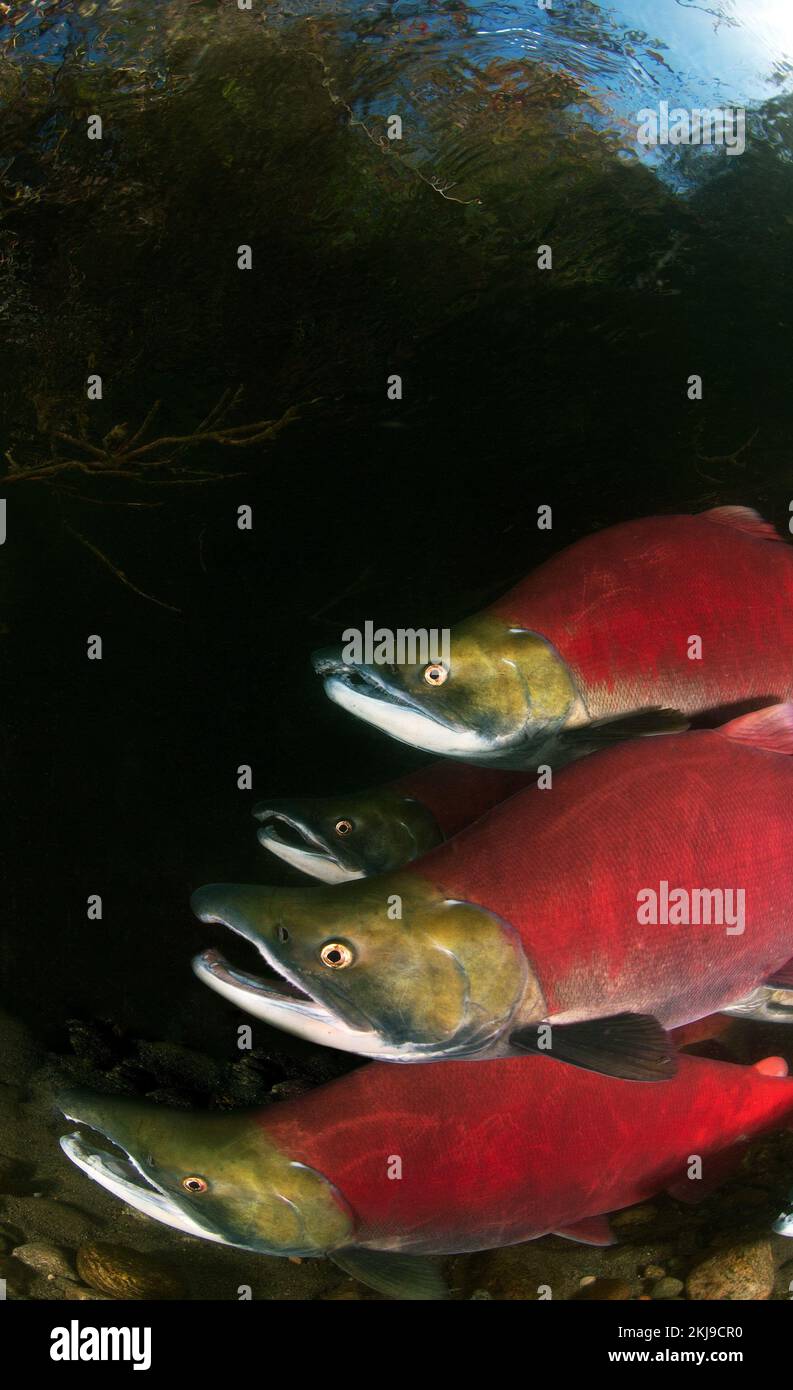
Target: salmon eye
{"x": 436, "y": 673}
{"x": 343, "y": 827}
{"x": 194, "y": 1185}
{"x": 336, "y": 955}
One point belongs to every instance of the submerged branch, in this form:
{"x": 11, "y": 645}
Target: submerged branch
{"x": 119, "y": 573}
{"x": 120, "y": 456}
{"x": 147, "y": 463}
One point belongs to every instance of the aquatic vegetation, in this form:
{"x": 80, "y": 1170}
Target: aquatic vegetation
{"x": 144, "y": 462}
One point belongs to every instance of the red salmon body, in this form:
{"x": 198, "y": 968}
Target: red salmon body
{"x": 622, "y": 606}
{"x": 457, "y": 794}
{"x": 452, "y": 1157}
{"x": 571, "y": 870}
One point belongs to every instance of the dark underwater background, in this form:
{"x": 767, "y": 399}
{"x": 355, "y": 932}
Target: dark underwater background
{"x": 522, "y": 388}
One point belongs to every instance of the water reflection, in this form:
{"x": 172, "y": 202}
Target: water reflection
{"x": 609, "y": 60}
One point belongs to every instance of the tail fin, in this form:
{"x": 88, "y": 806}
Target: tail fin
{"x": 770, "y": 728}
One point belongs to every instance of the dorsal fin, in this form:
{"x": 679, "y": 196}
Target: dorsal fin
{"x": 770, "y": 728}
{"x": 771, "y": 1066}
{"x": 744, "y": 519}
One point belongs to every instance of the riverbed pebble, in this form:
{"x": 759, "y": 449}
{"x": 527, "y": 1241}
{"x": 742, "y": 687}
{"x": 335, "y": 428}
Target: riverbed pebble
{"x": 738, "y": 1272}
{"x": 122, "y": 1272}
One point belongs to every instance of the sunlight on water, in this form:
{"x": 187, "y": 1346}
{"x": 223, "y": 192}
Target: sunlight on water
{"x": 414, "y": 54}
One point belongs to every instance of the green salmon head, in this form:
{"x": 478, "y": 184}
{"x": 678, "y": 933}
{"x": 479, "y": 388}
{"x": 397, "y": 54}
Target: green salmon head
{"x": 498, "y": 697}
{"x": 216, "y": 1176}
{"x": 386, "y": 967}
{"x": 340, "y": 838}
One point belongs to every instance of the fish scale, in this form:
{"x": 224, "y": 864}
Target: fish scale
{"x": 389, "y": 1165}
{"x": 537, "y": 915}
{"x": 620, "y": 606}
{"x": 564, "y": 869}
{"x": 597, "y": 645}
{"x": 510, "y": 1150}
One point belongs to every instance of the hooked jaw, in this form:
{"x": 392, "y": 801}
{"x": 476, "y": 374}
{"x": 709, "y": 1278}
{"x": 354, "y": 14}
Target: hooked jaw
{"x": 282, "y": 1002}
{"x": 287, "y": 834}
{"x": 348, "y": 837}
{"x": 221, "y": 1177}
{"x": 363, "y": 694}
{"x": 291, "y": 1012}
{"x": 505, "y": 691}
{"x": 372, "y": 693}
{"x": 443, "y": 979}
{"x": 104, "y": 1158}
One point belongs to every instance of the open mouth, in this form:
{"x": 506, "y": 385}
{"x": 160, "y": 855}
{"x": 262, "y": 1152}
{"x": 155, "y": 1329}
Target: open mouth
{"x": 361, "y": 682}
{"x": 284, "y": 1005}
{"x": 357, "y": 682}
{"x": 362, "y": 692}
{"x": 292, "y": 840}
{"x": 100, "y": 1156}
{"x": 277, "y": 827}
{"x": 282, "y": 1001}
{"x": 211, "y": 967}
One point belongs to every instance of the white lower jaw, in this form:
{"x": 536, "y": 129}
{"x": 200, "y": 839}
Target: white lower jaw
{"x": 102, "y": 1168}
{"x": 407, "y": 725}
{"x": 302, "y": 1018}
{"x": 307, "y": 861}
{"x": 766, "y": 1005}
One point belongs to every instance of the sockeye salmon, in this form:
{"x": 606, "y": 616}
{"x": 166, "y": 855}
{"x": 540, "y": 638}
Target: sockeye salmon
{"x": 651, "y": 886}
{"x": 355, "y": 835}
{"x": 488, "y": 1156}
{"x": 632, "y": 630}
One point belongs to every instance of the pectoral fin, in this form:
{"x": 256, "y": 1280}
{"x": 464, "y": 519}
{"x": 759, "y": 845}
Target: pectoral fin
{"x": 399, "y": 1276}
{"x": 595, "y": 1230}
{"x": 633, "y": 1047}
{"x": 600, "y": 733}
